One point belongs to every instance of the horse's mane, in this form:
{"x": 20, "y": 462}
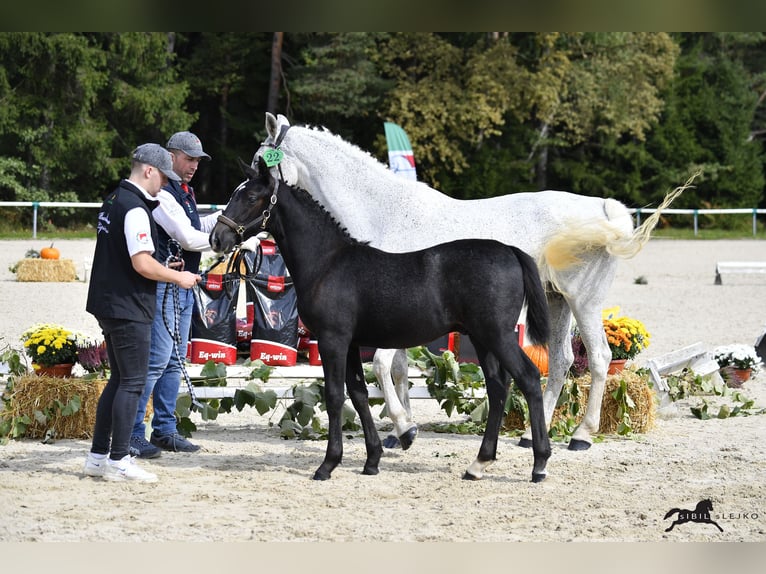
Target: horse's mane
{"x": 348, "y": 147}
{"x": 305, "y": 198}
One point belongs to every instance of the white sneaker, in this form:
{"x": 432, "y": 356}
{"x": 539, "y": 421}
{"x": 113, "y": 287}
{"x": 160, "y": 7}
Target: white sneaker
{"x": 127, "y": 469}
{"x": 94, "y": 466}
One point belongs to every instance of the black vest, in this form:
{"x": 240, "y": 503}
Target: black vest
{"x": 116, "y": 290}
{"x": 185, "y": 200}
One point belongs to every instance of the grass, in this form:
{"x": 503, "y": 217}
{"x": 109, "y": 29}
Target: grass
{"x": 686, "y": 233}
{"x": 51, "y": 233}
{"x": 86, "y": 232}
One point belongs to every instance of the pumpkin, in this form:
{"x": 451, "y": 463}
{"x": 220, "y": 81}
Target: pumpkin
{"x": 50, "y": 252}
{"x": 539, "y": 356}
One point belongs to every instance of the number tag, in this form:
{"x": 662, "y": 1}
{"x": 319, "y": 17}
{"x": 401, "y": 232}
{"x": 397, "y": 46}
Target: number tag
{"x": 272, "y": 157}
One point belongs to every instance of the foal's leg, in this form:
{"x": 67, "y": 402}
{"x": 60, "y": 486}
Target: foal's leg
{"x": 497, "y": 392}
{"x": 334, "y": 367}
{"x": 560, "y": 358}
{"x": 357, "y": 391}
{"x": 392, "y": 364}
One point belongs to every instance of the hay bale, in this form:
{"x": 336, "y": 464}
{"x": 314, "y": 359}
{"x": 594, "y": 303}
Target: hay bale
{"x": 32, "y": 393}
{"x": 48, "y": 270}
{"x": 642, "y": 416}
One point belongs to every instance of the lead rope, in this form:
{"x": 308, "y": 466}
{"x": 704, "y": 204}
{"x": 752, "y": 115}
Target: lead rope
{"x": 174, "y": 256}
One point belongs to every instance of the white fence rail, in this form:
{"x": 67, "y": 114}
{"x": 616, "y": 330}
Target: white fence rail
{"x": 638, "y": 212}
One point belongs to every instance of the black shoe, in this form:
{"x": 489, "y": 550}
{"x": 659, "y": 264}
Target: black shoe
{"x": 173, "y": 442}
{"x": 142, "y": 448}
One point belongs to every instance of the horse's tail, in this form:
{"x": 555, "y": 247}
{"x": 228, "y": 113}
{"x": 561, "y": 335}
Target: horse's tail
{"x": 671, "y": 512}
{"x": 615, "y": 234}
{"x": 538, "y": 327}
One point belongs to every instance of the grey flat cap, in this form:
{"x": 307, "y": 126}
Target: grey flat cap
{"x": 155, "y": 155}
{"x": 188, "y": 143}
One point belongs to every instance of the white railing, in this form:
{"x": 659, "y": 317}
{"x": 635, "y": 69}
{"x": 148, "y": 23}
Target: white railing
{"x": 35, "y": 205}
{"x": 638, "y": 212}
{"x": 697, "y": 212}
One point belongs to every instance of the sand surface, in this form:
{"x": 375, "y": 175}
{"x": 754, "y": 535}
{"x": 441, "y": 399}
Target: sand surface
{"x": 247, "y": 484}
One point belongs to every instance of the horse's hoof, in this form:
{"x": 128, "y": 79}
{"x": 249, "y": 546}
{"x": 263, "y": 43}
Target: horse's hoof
{"x": 538, "y": 476}
{"x": 525, "y": 442}
{"x": 321, "y": 476}
{"x": 469, "y": 476}
{"x": 577, "y": 444}
{"x": 370, "y": 471}
{"x": 408, "y": 438}
{"x": 391, "y": 442}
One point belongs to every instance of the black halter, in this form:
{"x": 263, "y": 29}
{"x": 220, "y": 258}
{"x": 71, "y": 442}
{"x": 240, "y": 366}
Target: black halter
{"x": 262, "y": 219}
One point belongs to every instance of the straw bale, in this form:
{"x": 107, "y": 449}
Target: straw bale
{"x": 48, "y": 270}
{"x": 641, "y": 417}
{"x": 33, "y": 392}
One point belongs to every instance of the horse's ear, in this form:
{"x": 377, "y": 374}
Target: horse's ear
{"x": 246, "y": 169}
{"x": 263, "y": 168}
{"x": 272, "y": 125}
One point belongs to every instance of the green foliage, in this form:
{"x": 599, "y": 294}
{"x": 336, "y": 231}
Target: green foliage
{"x": 611, "y": 114}
{"x": 458, "y": 387}
{"x": 687, "y": 384}
{"x": 565, "y": 425}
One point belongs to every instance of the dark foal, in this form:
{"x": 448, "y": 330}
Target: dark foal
{"x": 352, "y": 295}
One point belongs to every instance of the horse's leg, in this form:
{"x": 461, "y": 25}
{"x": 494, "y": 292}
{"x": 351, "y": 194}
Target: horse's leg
{"x": 527, "y": 378}
{"x": 497, "y": 391}
{"x": 591, "y": 328}
{"x": 560, "y": 357}
{"x": 400, "y": 374}
{"x": 334, "y": 366}
{"x": 357, "y": 392}
{"x": 386, "y": 364}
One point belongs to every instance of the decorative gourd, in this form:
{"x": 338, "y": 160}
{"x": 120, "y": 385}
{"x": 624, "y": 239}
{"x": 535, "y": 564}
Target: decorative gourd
{"x": 50, "y": 252}
{"x": 539, "y": 356}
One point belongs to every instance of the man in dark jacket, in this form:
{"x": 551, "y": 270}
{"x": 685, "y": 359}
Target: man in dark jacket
{"x": 122, "y": 295}
{"x": 177, "y": 219}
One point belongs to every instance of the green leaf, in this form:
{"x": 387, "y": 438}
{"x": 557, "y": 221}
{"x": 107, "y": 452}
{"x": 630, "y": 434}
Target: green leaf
{"x": 265, "y": 401}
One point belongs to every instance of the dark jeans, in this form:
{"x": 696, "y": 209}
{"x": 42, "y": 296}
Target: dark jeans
{"x": 127, "y": 344}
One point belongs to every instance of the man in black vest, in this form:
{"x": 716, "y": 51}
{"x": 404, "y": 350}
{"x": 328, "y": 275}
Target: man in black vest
{"x": 177, "y": 219}
{"x": 122, "y": 296}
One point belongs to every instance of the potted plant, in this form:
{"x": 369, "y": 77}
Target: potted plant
{"x": 627, "y": 337}
{"x": 52, "y": 348}
{"x": 736, "y": 363}
{"x": 93, "y": 357}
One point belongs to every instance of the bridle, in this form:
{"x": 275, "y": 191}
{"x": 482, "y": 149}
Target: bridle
{"x": 262, "y": 219}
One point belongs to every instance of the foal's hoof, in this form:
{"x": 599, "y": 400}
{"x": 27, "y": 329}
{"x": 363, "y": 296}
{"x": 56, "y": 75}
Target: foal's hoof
{"x": 469, "y": 476}
{"x": 391, "y": 442}
{"x": 408, "y": 438}
{"x": 321, "y": 476}
{"x": 538, "y": 476}
{"x": 525, "y": 442}
{"x": 577, "y": 444}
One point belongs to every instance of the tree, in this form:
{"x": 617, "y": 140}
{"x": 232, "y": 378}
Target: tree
{"x": 228, "y": 77}
{"x": 75, "y": 105}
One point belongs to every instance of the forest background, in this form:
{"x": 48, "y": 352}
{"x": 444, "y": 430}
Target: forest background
{"x": 627, "y": 115}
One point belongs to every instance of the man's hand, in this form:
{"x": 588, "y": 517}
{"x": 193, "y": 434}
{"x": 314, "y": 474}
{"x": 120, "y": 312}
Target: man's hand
{"x": 250, "y": 244}
{"x": 187, "y": 279}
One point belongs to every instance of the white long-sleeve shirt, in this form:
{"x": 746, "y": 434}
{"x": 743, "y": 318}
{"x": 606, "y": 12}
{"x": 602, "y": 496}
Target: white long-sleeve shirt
{"x": 171, "y": 216}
